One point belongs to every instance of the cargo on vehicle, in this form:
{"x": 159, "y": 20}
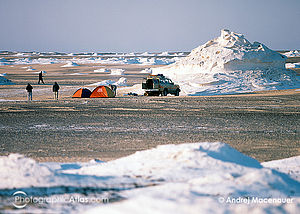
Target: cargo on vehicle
{"x": 155, "y": 85}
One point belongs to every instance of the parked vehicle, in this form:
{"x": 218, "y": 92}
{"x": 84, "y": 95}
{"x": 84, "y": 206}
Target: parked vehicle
{"x": 156, "y": 85}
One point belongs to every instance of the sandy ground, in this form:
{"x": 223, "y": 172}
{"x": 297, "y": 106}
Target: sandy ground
{"x": 64, "y": 76}
{"x": 264, "y": 125}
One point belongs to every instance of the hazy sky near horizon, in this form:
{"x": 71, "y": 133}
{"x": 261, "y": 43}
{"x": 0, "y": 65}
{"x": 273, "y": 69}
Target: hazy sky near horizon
{"x": 143, "y": 25}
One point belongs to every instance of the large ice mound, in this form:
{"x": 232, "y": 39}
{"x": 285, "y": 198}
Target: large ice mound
{"x": 230, "y": 64}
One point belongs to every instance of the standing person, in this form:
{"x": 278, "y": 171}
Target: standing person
{"x": 55, "y": 90}
{"x": 41, "y": 78}
{"x": 29, "y": 90}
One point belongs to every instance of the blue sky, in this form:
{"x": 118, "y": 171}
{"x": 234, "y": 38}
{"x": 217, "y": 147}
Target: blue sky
{"x": 143, "y": 25}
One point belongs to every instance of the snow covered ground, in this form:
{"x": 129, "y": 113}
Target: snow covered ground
{"x": 290, "y": 166}
{"x": 185, "y": 178}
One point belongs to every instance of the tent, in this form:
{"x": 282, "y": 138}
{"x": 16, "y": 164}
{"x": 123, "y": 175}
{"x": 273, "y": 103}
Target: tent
{"x": 82, "y": 93}
{"x": 102, "y": 91}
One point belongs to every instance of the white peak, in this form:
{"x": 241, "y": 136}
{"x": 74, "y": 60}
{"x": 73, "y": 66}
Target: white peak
{"x": 230, "y": 64}
{"x": 232, "y": 39}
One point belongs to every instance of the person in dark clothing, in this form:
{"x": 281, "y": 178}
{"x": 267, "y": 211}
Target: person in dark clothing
{"x": 41, "y": 78}
{"x": 29, "y": 90}
{"x": 55, "y": 90}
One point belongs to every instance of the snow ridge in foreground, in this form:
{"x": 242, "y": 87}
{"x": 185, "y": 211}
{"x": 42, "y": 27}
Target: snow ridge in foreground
{"x": 185, "y": 178}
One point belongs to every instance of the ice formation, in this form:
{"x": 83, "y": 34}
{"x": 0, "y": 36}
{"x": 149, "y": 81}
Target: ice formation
{"x": 78, "y": 74}
{"x": 70, "y": 64}
{"x": 43, "y": 72}
{"x": 230, "y": 64}
{"x": 117, "y": 72}
{"x": 18, "y": 171}
{"x": 4, "y": 61}
{"x": 290, "y": 166}
{"x": 4, "y": 81}
{"x": 147, "y": 71}
{"x": 29, "y": 68}
{"x": 294, "y": 53}
{"x": 121, "y": 82}
{"x": 102, "y": 70}
{"x": 292, "y": 65}
{"x": 195, "y": 178}
{"x": 150, "y": 59}
{"x": 166, "y": 53}
{"x": 185, "y": 178}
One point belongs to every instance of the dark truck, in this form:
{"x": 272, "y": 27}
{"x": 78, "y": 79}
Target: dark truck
{"x": 156, "y": 85}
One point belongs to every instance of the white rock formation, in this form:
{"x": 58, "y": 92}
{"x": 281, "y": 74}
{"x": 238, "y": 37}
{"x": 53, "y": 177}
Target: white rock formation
{"x": 230, "y": 64}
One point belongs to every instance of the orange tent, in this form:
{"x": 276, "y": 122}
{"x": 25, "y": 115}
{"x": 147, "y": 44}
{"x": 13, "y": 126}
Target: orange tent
{"x": 102, "y": 91}
{"x": 82, "y": 93}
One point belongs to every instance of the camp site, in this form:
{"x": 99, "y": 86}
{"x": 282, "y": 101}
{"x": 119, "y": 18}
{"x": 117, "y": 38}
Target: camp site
{"x": 155, "y": 107}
